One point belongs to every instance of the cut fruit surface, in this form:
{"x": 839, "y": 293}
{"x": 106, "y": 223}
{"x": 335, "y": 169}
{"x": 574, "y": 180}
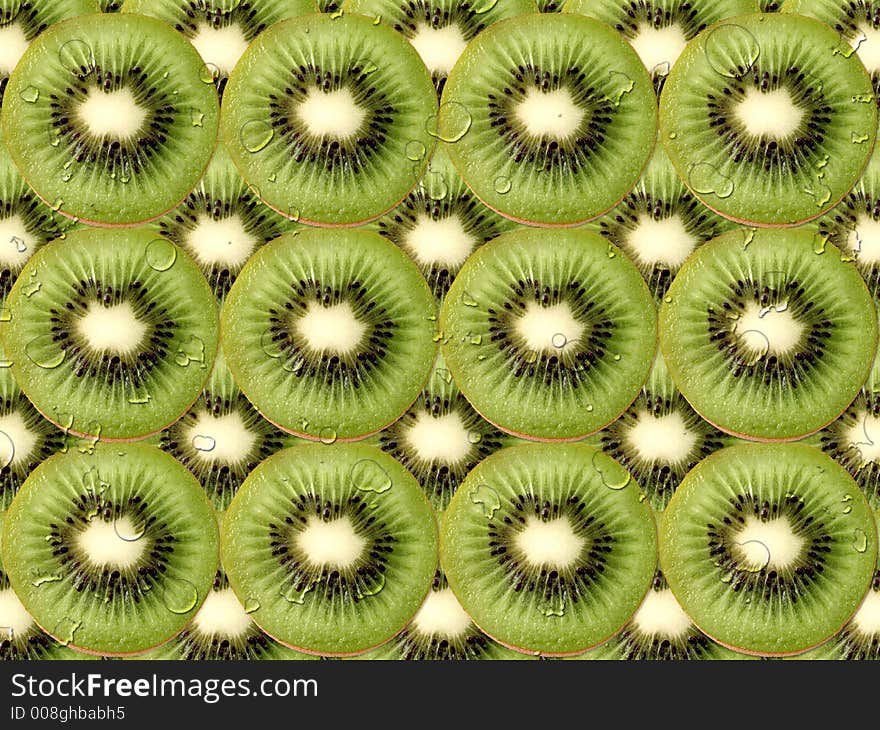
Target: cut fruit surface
{"x": 767, "y": 334}
{"x": 111, "y": 552}
{"x": 109, "y": 120}
{"x": 111, "y": 333}
{"x": 322, "y": 115}
{"x": 769, "y": 548}
{"x": 330, "y": 334}
{"x": 769, "y": 119}
{"x": 544, "y": 128}
{"x": 549, "y": 334}
{"x": 337, "y": 544}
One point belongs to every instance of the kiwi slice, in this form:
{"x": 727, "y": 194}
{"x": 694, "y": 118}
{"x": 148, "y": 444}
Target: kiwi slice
{"x": 113, "y": 551}
{"x": 220, "y": 30}
{"x": 550, "y": 334}
{"x": 860, "y": 638}
{"x": 660, "y": 29}
{"x": 441, "y": 437}
{"x": 440, "y": 30}
{"x": 660, "y": 631}
{"x": 329, "y": 118}
{"x": 25, "y": 222}
{"x": 853, "y": 225}
{"x": 660, "y": 223}
{"x": 222, "y": 438}
{"x": 857, "y": 23}
{"x": 109, "y": 118}
{"x": 545, "y": 128}
{"x": 441, "y": 223}
{"x": 550, "y": 548}
{"x": 441, "y": 630}
{"x": 330, "y": 334}
{"x": 769, "y": 548}
{"x": 768, "y": 335}
{"x": 26, "y": 438}
{"x": 20, "y": 637}
{"x": 660, "y": 438}
{"x": 337, "y": 544}
{"x": 221, "y": 223}
{"x": 769, "y": 119}
{"x": 111, "y": 334}
{"x": 23, "y": 20}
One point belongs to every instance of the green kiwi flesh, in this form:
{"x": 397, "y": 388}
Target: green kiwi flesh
{"x": 769, "y": 118}
{"x": 544, "y": 128}
{"x": 126, "y": 543}
{"x": 321, "y": 114}
{"x": 109, "y": 119}
{"x": 337, "y": 544}
{"x": 330, "y": 334}
{"x": 549, "y": 333}
{"x": 767, "y": 334}
{"x": 111, "y": 333}
{"x": 550, "y": 548}
{"x": 769, "y": 548}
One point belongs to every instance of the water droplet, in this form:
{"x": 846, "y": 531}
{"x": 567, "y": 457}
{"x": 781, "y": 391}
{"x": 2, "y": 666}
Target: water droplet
{"x": 30, "y": 94}
{"x": 819, "y": 243}
{"x": 554, "y": 606}
{"x": 444, "y": 375}
{"x": 755, "y": 556}
{"x": 5, "y": 314}
{"x": 847, "y": 46}
{"x": 612, "y": 474}
{"x": 559, "y": 340}
{"x": 661, "y": 69}
{"x": 589, "y": 407}
{"x": 476, "y": 339}
{"x": 474, "y": 437}
{"x": 327, "y": 435}
{"x": 296, "y": 594}
{"x": 138, "y": 394}
{"x": 467, "y": 299}
{"x": 255, "y": 135}
{"x": 820, "y": 193}
{"x": 127, "y": 530}
{"x": 437, "y": 337}
{"x": 87, "y": 445}
{"x": 273, "y": 348}
{"x": 611, "y": 252}
{"x": 161, "y": 254}
{"x": 377, "y": 20}
{"x": 502, "y": 185}
{"x": 193, "y": 350}
{"x": 293, "y": 213}
{"x": 483, "y": 6}
{"x": 30, "y": 289}
{"x": 41, "y": 578}
{"x": 203, "y": 443}
{"x": 65, "y": 629}
{"x": 197, "y": 117}
{"x": 374, "y": 589}
{"x": 846, "y": 510}
{"x": 863, "y": 99}
{"x": 251, "y": 604}
{"x": 179, "y": 595}
{"x": 76, "y": 57}
{"x": 44, "y": 352}
{"x": 860, "y": 541}
{"x": 728, "y": 576}
{"x": 209, "y": 73}
{"x": 415, "y": 150}
{"x": 620, "y": 85}
{"x": 487, "y": 498}
{"x": 4, "y": 364}
{"x": 673, "y": 135}
{"x": 731, "y": 50}
{"x": 451, "y": 123}
{"x": 617, "y": 358}
{"x": 859, "y": 138}
{"x": 336, "y": 15}
{"x": 705, "y": 178}
{"x": 367, "y": 476}
{"x": 434, "y": 184}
